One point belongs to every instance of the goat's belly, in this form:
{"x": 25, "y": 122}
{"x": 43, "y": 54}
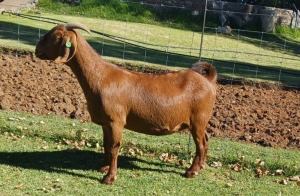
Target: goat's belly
{"x": 152, "y": 129}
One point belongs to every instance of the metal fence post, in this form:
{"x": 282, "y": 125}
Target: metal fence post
{"x": 203, "y": 29}
{"x": 124, "y": 39}
{"x": 147, "y": 34}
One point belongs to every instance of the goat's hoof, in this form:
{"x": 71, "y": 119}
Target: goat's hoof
{"x": 190, "y": 174}
{"x": 103, "y": 169}
{"x": 108, "y": 179}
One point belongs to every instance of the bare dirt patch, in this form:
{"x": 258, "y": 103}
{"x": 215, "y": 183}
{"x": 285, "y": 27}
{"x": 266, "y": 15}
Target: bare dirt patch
{"x": 263, "y": 114}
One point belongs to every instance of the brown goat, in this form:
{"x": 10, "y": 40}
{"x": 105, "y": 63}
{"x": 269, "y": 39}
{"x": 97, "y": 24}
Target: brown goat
{"x": 155, "y": 104}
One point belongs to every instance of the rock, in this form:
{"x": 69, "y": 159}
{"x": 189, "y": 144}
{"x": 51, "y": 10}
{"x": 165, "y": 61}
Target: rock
{"x": 224, "y": 30}
{"x": 268, "y": 18}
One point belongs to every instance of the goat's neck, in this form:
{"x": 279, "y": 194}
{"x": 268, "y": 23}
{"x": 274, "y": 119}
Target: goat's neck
{"x": 88, "y": 67}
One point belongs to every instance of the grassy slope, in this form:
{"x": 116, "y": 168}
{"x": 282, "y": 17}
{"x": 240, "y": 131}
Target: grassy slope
{"x": 37, "y": 155}
{"x": 122, "y": 11}
{"x": 171, "y": 40}
{"x": 157, "y": 45}
{"x": 135, "y": 12}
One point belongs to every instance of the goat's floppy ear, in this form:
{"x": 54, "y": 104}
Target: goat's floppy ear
{"x": 67, "y": 46}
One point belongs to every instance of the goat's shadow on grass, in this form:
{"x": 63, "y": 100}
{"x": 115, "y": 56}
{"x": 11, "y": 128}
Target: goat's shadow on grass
{"x": 66, "y": 161}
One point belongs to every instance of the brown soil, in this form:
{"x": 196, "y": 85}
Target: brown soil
{"x": 263, "y": 114}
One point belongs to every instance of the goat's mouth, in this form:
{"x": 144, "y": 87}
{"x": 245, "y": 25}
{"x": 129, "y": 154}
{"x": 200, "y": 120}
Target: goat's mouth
{"x": 40, "y": 54}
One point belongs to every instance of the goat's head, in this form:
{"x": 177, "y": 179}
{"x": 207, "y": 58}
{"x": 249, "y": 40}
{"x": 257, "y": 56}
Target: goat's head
{"x": 60, "y": 43}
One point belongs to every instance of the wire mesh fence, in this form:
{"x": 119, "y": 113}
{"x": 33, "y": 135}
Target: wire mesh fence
{"x": 237, "y": 54}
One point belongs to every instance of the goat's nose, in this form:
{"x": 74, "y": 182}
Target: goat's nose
{"x": 37, "y": 49}
{"x": 37, "y": 52}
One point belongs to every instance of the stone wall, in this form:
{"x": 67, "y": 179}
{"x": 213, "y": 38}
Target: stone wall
{"x": 235, "y": 14}
{"x": 241, "y": 15}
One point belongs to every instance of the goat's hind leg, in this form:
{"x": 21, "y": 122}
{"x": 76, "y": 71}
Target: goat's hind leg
{"x": 205, "y": 143}
{"x": 200, "y": 139}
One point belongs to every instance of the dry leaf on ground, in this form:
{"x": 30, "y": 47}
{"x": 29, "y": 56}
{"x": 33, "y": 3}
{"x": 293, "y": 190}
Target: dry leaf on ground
{"x": 216, "y": 164}
{"x": 236, "y": 167}
{"x": 228, "y": 185}
{"x": 19, "y": 186}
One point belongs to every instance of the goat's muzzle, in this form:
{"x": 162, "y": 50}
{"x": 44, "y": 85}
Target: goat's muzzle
{"x": 38, "y": 53}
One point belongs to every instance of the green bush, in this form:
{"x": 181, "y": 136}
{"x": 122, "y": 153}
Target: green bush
{"x": 288, "y": 32}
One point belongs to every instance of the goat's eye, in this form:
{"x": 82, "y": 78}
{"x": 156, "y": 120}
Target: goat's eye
{"x": 57, "y": 37}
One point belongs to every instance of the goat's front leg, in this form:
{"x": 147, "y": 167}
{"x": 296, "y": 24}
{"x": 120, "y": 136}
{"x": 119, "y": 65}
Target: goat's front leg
{"x": 104, "y": 167}
{"x": 114, "y": 137}
{"x": 201, "y": 141}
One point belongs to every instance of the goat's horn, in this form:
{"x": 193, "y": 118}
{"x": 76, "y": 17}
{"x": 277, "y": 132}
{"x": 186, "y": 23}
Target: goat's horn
{"x": 70, "y": 26}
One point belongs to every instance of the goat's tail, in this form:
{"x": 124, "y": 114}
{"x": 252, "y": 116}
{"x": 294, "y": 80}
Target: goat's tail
{"x": 207, "y": 70}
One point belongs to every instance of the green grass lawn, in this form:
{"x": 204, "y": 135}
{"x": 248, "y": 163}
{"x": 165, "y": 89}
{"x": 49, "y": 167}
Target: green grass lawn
{"x": 50, "y": 154}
